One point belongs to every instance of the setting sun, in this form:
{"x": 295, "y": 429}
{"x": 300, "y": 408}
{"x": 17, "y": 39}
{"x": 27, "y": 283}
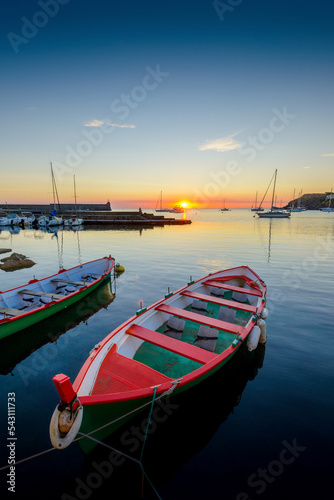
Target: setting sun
{"x": 185, "y": 204}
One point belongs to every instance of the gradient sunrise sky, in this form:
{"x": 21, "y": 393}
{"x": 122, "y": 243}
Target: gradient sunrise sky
{"x": 202, "y": 100}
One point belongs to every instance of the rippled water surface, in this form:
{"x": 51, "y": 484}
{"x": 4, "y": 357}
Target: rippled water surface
{"x": 260, "y": 428}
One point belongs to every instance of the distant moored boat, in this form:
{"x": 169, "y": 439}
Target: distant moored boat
{"x": 274, "y": 213}
{"x": 255, "y": 208}
{"x": 224, "y": 209}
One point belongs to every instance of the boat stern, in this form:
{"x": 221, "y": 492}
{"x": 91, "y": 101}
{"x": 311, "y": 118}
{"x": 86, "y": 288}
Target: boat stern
{"x": 67, "y": 416}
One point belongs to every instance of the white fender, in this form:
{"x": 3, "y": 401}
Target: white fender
{"x": 58, "y": 441}
{"x": 253, "y": 338}
{"x": 263, "y": 335}
{"x": 264, "y": 313}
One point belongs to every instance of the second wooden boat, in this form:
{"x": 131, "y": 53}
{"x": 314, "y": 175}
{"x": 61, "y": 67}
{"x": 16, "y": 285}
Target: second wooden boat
{"x": 39, "y": 299}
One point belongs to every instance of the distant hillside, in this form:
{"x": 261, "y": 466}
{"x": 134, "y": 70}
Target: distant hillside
{"x": 313, "y": 201}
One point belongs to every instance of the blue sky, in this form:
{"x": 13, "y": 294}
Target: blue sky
{"x": 202, "y": 100}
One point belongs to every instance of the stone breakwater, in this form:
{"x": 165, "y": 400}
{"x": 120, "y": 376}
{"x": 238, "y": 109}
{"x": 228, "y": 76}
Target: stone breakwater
{"x": 137, "y": 218}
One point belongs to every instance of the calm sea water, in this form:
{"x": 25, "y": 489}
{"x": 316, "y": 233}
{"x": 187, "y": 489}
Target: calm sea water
{"x": 262, "y": 428}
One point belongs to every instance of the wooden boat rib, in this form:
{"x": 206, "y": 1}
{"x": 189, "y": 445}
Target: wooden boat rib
{"x": 172, "y": 345}
{"x": 37, "y": 300}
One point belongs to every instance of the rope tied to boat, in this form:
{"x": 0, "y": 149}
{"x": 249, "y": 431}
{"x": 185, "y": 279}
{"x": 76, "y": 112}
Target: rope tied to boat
{"x": 171, "y": 389}
{"x": 148, "y": 422}
{"x": 63, "y": 405}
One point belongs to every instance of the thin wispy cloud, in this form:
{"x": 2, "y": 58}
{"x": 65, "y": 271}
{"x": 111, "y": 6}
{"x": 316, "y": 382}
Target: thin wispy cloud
{"x": 306, "y": 167}
{"x": 221, "y": 145}
{"x": 328, "y": 154}
{"x": 98, "y": 123}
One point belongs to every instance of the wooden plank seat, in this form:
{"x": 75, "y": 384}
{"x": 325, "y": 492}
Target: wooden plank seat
{"x": 37, "y": 293}
{"x": 9, "y": 311}
{"x": 177, "y": 346}
{"x": 70, "y": 282}
{"x": 248, "y": 291}
{"x": 198, "y": 318}
{"x": 222, "y": 302}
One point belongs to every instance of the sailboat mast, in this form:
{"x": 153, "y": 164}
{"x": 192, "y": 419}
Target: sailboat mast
{"x": 54, "y": 188}
{"x": 299, "y": 199}
{"x": 75, "y": 196}
{"x": 272, "y": 201}
{"x": 255, "y": 206}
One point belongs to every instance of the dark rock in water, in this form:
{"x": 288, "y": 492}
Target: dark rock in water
{"x": 16, "y": 261}
{"x": 14, "y": 256}
{"x": 5, "y": 250}
{"x": 13, "y": 265}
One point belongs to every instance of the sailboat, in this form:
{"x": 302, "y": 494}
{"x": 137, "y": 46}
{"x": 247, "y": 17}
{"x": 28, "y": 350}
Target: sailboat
{"x": 329, "y": 208}
{"x": 274, "y": 213}
{"x": 177, "y": 210}
{"x": 159, "y": 202}
{"x": 225, "y": 209}
{"x": 53, "y": 219}
{"x": 255, "y": 208}
{"x": 74, "y": 221}
{"x": 295, "y": 208}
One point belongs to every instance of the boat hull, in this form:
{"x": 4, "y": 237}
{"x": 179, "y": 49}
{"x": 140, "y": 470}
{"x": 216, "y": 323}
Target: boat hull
{"x": 274, "y": 215}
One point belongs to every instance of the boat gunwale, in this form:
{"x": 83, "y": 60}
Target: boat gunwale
{"x": 24, "y": 314}
{"x": 88, "y": 400}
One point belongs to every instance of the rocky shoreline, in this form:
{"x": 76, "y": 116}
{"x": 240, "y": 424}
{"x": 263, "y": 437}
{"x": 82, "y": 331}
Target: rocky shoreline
{"x": 313, "y": 201}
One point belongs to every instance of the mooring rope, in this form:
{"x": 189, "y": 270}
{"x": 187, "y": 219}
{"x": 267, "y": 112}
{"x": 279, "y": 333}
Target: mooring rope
{"x": 148, "y": 423}
{"x": 28, "y": 458}
{"x": 82, "y": 435}
{"x": 138, "y": 462}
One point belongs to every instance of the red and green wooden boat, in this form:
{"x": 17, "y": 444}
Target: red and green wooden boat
{"x": 37, "y": 300}
{"x": 168, "y": 347}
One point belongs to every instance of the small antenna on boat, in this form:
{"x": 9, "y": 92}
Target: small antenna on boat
{"x": 141, "y": 304}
